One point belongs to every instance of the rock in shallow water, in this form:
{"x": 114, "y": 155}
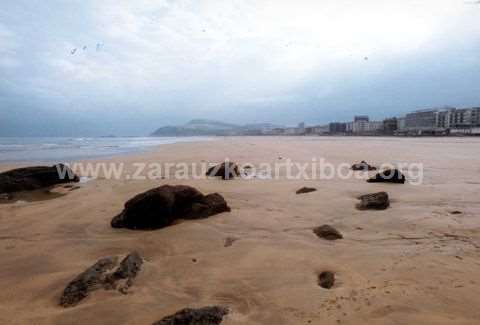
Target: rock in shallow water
{"x": 160, "y": 207}
{"x": 202, "y": 316}
{"x": 327, "y": 232}
{"x": 34, "y": 178}
{"x": 374, "y": 201}
{"x": 388, "y": 176}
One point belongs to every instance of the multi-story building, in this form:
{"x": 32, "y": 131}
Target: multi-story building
{"x": 359, "y": 118}
{"x": 390, "y": 125}
{"x": 362, "y": 125}
{"x": 422, "y": 120}
{"x": 301, "y": 128}
{"x": 317, "y": 130}
{"x": 400, "y": 124}
{"x": 336, "y": 127}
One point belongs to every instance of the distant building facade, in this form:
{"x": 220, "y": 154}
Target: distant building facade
{"x": 359, "y": 118}
{"x": 442, "y": 121}
{"x": 362, "y": 125}
{"x": 337, "y": 127}
{"x": 390, "y": 126}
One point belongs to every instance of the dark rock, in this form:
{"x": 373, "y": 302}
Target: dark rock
{"x": 226, "y": 170}
{"x": 160, "y": 207}
{"x": 34, "y": 178}
{"x": 456, "y": 212}
{"x": 129, "y": 266}
{"x": 375, "y": 201}
{"x": 327, "y": 232}
{"x": 304, "y": 190}
{"x": 97, "y": 277}
{"x": 326, "y": 279}
{"x": 363, "y": 166}
{"x": 202, "y": 316}
{"x": 209, "y": 205}
{"x": 388, "y": 176}
{"x": 91, "y": 279}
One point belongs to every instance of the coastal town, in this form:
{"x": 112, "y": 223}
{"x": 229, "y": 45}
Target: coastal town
{"x": 445, "y": 121}
{"x": 428, "y": 122}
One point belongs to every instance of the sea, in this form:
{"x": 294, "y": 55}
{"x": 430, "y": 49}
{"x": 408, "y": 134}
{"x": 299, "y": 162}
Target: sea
{"x": 43, "y": 149}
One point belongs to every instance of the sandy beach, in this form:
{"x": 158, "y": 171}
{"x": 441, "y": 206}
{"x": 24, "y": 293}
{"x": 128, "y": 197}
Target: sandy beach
{"x": 413, "y": 263}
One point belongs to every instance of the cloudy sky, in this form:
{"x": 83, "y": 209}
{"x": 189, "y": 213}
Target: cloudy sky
{"x": 93, "y": 67}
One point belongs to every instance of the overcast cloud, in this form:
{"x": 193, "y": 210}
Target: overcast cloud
{"x": 142, "y": 64}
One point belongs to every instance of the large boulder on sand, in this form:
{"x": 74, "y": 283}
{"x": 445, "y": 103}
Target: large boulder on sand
{"x": 375, "y": 201}
{"x": 225, "y": 170}
{"x": 363, "y": 166}
{"x": 34, "y": 178}
{"x": 202, "y": 316}
{"x": 160, "y": 207}
{"x": 388, "y": 176}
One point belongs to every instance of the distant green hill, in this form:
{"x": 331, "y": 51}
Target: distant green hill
{"x": 199, "y": 127}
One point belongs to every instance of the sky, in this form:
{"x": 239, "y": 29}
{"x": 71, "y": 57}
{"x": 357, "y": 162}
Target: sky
{"x": 98, "y": 67}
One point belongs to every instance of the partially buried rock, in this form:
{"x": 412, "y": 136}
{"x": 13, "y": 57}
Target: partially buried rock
{"x": 388, "y": 176}
{"x": 305, "y": 190}
{"x": 327, "y": 232}
{"x": 229, "y": 241}
{"x": 34, "y": 178}
{"x": 91, "y": 279}
{"x": 162, "y": 206}
{"x": 129, "y": 267}
{"x": 226, "y": 170}
{"x": 97, "y": 277}
{"x": 375, "y": 201}
{"x": 363, "y": 166}
{"x": 326, "y": 279}
{"x": 202, "y": 316}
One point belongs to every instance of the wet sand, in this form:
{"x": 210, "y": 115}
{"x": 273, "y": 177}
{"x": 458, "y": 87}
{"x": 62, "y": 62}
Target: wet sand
{"x": 414, "y": 263}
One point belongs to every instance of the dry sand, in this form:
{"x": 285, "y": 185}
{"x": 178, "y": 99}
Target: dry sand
{"x": 415, "y": 263}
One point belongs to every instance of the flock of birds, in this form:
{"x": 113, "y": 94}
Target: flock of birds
{"x": 98, "y": 48}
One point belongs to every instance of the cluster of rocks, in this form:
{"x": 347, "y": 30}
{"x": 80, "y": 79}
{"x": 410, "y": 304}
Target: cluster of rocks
{"x": 97, "y": 277}
{"x": 162, "y": 206}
